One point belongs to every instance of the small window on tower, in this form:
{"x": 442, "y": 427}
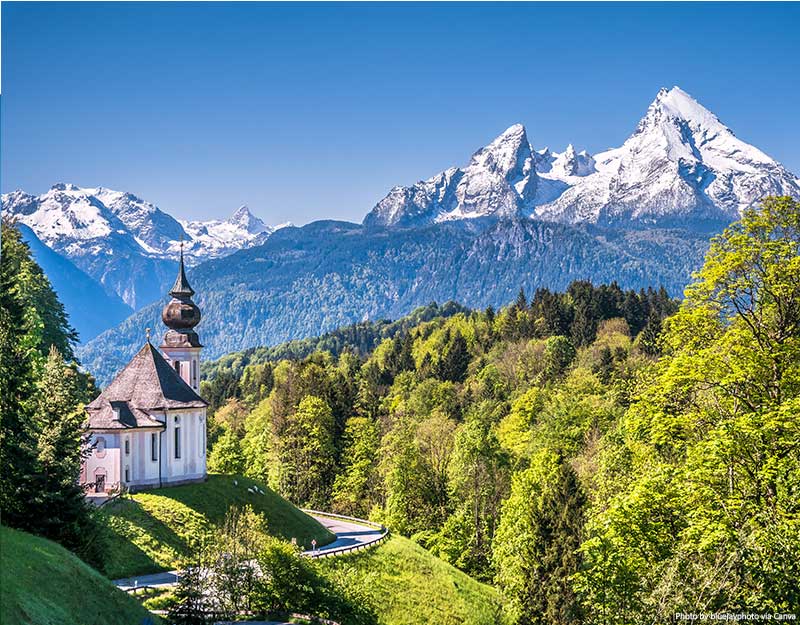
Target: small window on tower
{"x": 154, "y": 446}
{"x": 127, "y": 447}
{"x": 178, "y": 366}
{"x": 127, "y": 474}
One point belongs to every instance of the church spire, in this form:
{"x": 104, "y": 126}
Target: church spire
{"x": 181, "y": 288}
{"x": 181, "y": 314}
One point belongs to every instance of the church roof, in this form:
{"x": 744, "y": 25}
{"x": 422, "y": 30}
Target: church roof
{"x": 148, "y": 383}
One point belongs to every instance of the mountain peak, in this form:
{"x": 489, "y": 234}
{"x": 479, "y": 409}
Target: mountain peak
{"x": 676, "y": 104}
{"x": 64, "y": 186}
{"x": 241, "y": 213}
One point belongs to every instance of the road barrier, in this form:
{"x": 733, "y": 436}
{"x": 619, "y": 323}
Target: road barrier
{"x": 347, "y": 548}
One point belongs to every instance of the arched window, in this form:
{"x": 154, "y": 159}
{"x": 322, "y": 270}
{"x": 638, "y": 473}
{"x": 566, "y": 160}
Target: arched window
{"x": 100, "y": 447}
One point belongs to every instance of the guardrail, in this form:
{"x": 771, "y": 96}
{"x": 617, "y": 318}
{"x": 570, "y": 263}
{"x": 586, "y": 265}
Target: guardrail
{"x": 328, "y": 553}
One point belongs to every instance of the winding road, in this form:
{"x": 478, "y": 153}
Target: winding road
{"x": 349, "y": 535}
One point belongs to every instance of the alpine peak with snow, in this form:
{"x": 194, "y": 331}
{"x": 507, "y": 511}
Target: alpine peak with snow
{"x": 681, "y": 166}
{"x": 500, "y": 180}
{"x": 123, "y": 241}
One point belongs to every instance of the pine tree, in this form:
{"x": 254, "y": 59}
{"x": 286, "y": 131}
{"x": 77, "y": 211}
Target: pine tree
{"x": 536, "y": 545}
{"x": 190, "y": 606}
{"x": 562, "y": 522}
{"x": 18, "y": 462}
{"x": 453, "y": 364}
{"x": 649, "y": 337}
{"x": 522, "y": 302}
{"x": 61, "y": 442}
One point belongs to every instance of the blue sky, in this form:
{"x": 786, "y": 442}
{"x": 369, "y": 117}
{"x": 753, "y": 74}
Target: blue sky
{"x": 314, "y": 111}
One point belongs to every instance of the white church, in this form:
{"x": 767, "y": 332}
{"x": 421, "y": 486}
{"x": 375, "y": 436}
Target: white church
{"x": 148, "y": 427}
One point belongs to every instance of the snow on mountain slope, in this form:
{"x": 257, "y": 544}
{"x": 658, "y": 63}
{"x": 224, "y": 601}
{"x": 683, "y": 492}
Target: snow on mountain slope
{"x": 217, "y": 237}
{"x": 681, "y": 166}
{"x": 124, "y": 242}
{"x": 499, "y": 180}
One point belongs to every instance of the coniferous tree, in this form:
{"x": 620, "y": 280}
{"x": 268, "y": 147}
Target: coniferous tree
{"x": 190, "y": 605}
{"x": 61, "y": 444}
{"x": 453, "y": 364}
{"x": 18, "y": 461}
{"x": 535, "y": 548}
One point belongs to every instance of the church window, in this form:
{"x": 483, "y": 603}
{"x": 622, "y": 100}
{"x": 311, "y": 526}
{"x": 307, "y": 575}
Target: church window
{"x": 99, "y": 480}
{"x": 100, "y": 447}
{"x": 177, "y": 443}
{"x": 194, "y": 373}
{"x": 154, "y": 446}
{"x": 127, "y": 447}
{"x": 127, "y": 474}
{"x": 178, "y": 366}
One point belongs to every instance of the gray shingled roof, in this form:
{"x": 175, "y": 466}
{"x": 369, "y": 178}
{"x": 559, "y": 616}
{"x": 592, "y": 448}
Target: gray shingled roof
{"x": 147, "y": 383}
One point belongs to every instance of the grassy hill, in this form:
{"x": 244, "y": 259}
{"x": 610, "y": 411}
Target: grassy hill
{"x": 153, "y": 531}
{"x": 41, "y": 583}
{"x": 407, "y": 585}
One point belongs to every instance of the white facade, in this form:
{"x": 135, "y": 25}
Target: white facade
{"x": 142, "y": 458}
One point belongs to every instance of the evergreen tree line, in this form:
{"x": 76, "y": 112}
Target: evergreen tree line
{"x": 603, "y": 456}
{"x": 42, "y": 393}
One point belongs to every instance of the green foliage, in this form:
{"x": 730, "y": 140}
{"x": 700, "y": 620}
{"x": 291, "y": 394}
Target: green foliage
{"x": 537, "y": 541}
{"x": 302, "y": 452}
{"x": 699, "y": 480}
{"x": 41, "y": 414}
{"x": 241, "y": 570}
{"x": 356, "y": 488}
{"x": 226, "y": 456}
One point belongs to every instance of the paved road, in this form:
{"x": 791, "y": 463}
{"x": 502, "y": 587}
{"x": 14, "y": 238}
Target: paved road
{"x": 347, "y": 533}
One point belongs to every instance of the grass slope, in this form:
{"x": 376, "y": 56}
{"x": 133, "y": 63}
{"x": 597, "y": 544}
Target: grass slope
{"x": 153, "y": 531}
{"x": 41, "y": 583}
{"x": 408, "y": 586}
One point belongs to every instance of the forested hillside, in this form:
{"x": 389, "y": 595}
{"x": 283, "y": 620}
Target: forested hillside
{"x": 602, "y": 456}
{"x": 306, "y": 281}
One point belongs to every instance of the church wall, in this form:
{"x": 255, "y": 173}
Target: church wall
{"x": 104, "y": 459}
{"x": 192, "y": 461}
{"x": 143, "y": 469}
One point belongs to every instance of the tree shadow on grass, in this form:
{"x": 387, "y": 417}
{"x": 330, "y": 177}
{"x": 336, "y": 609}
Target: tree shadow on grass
{"x": 140, "y": 543}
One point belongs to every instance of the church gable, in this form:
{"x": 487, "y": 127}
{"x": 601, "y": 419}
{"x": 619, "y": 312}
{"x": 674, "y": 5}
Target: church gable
{"x": 147, "y": 383}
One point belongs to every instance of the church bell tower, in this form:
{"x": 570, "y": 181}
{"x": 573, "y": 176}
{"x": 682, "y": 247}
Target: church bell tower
{"x": 181, "y": 346}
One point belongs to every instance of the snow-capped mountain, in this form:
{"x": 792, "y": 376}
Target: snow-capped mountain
{"x": 681, "y": 166}
{"x": 125, "y": 243}
{"x": 210, "y": 239}
{"x": 499, "y": 180}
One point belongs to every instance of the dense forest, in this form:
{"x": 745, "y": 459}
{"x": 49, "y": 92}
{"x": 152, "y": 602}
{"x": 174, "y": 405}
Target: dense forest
{"x": 603, "y": 456}
{"x": 599, "y": 455}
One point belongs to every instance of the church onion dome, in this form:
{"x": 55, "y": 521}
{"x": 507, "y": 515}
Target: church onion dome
{"x": 181, "y": 313}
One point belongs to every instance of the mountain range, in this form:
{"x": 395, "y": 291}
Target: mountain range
{"x": 125, "y": 243}
{"x": 681, "y": 167}
{"x": 512, "y": 217}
